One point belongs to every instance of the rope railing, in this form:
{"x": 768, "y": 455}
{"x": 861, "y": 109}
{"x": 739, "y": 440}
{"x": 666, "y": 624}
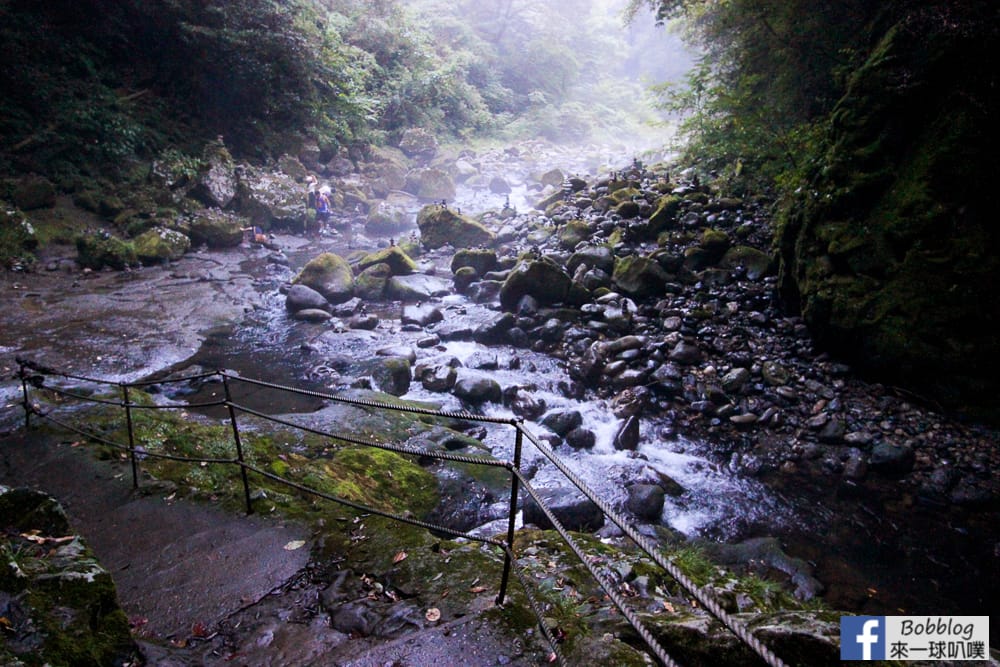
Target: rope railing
{"x": 136, "y": 452}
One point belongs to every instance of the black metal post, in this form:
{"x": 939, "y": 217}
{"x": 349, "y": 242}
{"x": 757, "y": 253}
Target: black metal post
{"x": 131, "y": 435}
{"x": 518, "y": 443}
{"x": 239, "y": 443}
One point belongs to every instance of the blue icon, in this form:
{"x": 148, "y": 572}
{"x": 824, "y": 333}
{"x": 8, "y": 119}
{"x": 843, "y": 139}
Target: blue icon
{"x": 862, "y": 637}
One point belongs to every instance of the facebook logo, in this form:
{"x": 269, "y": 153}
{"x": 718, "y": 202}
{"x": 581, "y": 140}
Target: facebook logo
{"x": 862, "y": 637}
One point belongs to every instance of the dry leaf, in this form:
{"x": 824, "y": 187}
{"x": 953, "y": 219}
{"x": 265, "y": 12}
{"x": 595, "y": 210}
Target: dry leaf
{"x": 399, "y": 557}
{"x": 433, "y": 615}
{"x": 295, "y": 544}
{"x": 477, "y": 589}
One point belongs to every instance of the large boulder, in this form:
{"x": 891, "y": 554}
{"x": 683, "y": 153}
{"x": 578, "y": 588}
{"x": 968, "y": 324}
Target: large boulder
{"x": 399, "y": 262}
{"x": 216, "y": 228}
{"x": 95, "y": 251}
{"x": 889, "y": 253}
{"x": 639, "y": 276}
{"x": 542, "y": 279}
{"x": 416, "y": 287}
{"x": 430, "y": 184}
{"x": 482, "y": 260}
{"x": 160, "y": 245}
{"x": 301, "y": 297}
{"x": 216, "y": 184}
{"x": 272, "y": 199}
{"x": 570, "y": 508}
{"x": 439, "y": 226}
{"x": 59, "y": 605}
{"x": 330, "y": 275}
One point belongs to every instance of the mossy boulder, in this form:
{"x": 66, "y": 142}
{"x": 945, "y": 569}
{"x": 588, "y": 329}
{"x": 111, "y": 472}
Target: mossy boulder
{"x": 481, "y": 260}
{"x": 440, "y": 226}
{"x": 61, "y": 607}
{"x": 371, "y": 283}
{"x": 573, "y": 233}
{"x": 216, "y": 228}
{"x": 330, "y": 275}
{"x": 542, "y": 279}
{"x": 392, "y": 375}
{"x": 387, "y": 218}
{"x": 159, "y": 245}
{"x": 639, "y": 276}
{"x": 95, "y": 251}
{"x": 272, "y": 199}
{"x": 361, "y": 474}
{"x": 757, "y": 263}
{"x": 889, "y": 253}
{"x": 393, "y": 256}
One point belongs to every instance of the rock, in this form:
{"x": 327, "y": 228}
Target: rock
{"x": 593, "y": 257}
{"x": 159, "y": 245}
{"x": 572, "y": 234}
{"x": 553, "y": 178}
{"x": 581, "y": 438}
{"x": 441, "y": 226}
{"x": 34, "y": 192}
{"x": 542, "y": 279}
{"x": 561, "y": 422}
{"x": 645, "y": 501}
{"x": 639, "y": 277}
{"x": 421, "y": 314}
{"x": 572, "y": 510}
{"x": 216, "y": 228}
{"x": 95, "y": 251}
{"x": 891, "y": 460}
{"x": 438, "y": 378}
{"x": 371, "y": 283}
{"x": 833, "y": 432}
{"x": 734, "y": 381}
{"x": 756, "y": 262}
{"x": 216, "y": 184}
{"x": 477, "y": 389}
{"x": 523, "y": 404}
{"x": 58, "y": 603}
{"x": 665, "y": 214}
{"x": 430, "y": 184}
{"x": 416, "y": 287}
{"x": 627, "y": 437}
{"x": 419, "y": 143}
{"x": 774, "y": 373}
{"x": 330, "y": 275}
{"x": 480, "y": 259}
{"x": 272, "y": 199}
{"x": 399, "y": 262}
{"x": 499, "y": 186}
{"x": 685, "y": 353}
{"x": 392, "y": 374}
{"x": 302, "y": 297}
{"x": 312, "y": 315}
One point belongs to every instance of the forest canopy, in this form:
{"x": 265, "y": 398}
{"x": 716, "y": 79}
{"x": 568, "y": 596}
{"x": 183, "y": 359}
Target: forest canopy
{"x": 99, "y": 81}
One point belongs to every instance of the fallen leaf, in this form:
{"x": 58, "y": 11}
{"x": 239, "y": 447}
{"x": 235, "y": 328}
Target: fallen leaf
{"x": 399, "y": 557}
{"x": 477, "y": 589}
{"x": 433, "y": 615}
{"x": 295, "y": 544}
{"x": 199, "y": 630}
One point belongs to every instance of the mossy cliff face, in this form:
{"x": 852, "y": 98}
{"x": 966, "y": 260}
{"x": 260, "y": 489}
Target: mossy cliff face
{"x": 891, "y": 253}
{"x": 58, "y": 605}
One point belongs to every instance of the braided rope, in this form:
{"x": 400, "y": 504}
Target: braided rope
{"x": 706, "y": 601}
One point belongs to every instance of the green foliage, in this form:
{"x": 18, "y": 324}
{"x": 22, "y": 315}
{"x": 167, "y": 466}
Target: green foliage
{"x": 756, "y": 107}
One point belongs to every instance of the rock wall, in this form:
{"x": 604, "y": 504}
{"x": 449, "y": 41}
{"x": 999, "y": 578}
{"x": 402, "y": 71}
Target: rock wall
{"x": 891, "y": 254}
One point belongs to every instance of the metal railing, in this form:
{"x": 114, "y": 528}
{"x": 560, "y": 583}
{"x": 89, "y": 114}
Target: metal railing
{"x": 32, "y": 376}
